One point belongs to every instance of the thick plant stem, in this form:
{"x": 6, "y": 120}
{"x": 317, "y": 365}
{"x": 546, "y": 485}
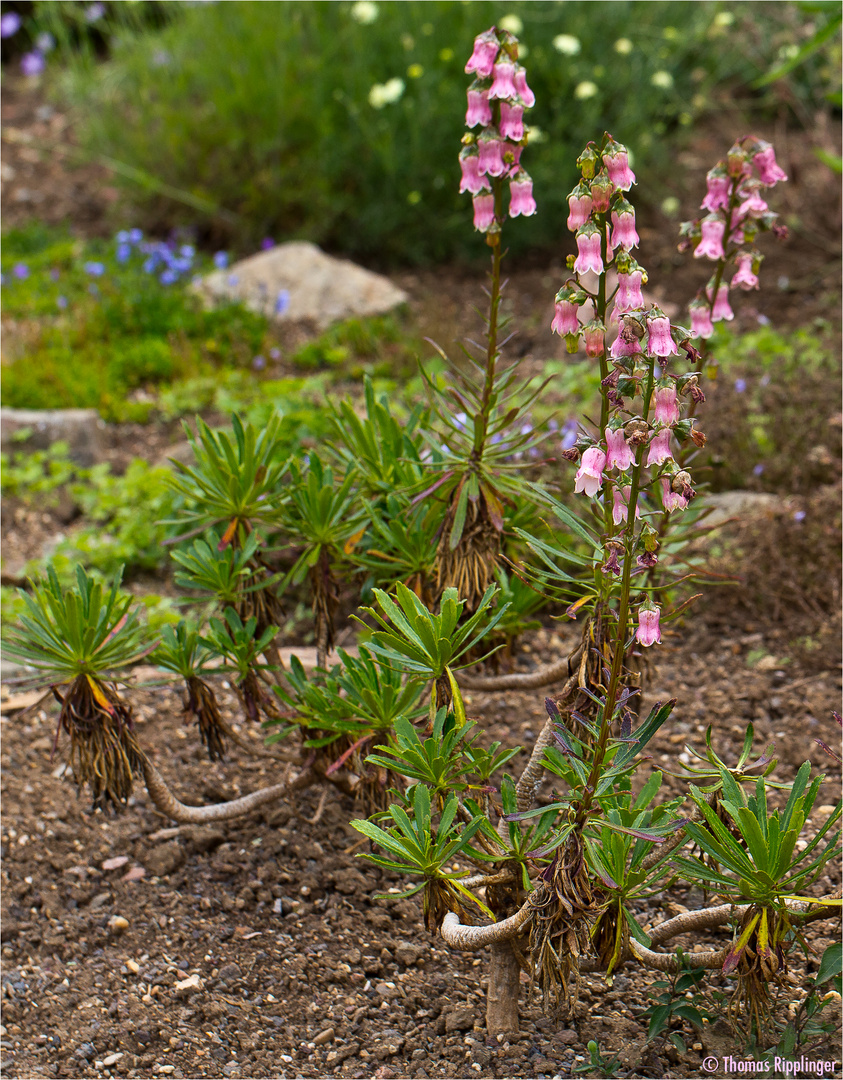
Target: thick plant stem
{"x": 526, "y": 680}
{"x": 169, "y": 805}
{"x": 502, "y": 996}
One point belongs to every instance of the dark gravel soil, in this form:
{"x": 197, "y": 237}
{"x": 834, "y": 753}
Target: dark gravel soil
{"x": 256, "y": 948}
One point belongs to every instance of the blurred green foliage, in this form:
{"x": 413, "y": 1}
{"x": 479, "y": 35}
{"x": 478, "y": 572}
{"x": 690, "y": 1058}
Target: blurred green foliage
{"x": 340, "y": 122}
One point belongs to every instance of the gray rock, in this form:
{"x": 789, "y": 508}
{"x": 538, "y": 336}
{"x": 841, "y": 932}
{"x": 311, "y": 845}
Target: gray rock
{"x": 230, "y": 972}
{"x": 81, "y": 429}
{"x": 297, "y": 281}
{"x": 407, "y": 953}
{"x": 737, "y": 504}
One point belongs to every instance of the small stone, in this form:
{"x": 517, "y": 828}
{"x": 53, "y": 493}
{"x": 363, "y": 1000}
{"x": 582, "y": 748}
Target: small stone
{"x": 230, "y": 972}
{"x": 567, "y": 1036}
{"x": 112, "y": 1059}
{"x": 231, "y": 1069}
{"x": 387, "y": 990}
{"x": 459, "y": 1020}
{"x": 323, "y": 1037}
{"x": 164, "y": 859}
{"x": 133, "y": 966}
{"x": 115, "y": 863}
{"x": 165, "y": 1069}
{"x": 81, "y": 429}
{"x": 87, "y": 1051}
{"x": 408, "y": 954}
{"x": 188, "y": 986}
{"x": 117, "y": 924}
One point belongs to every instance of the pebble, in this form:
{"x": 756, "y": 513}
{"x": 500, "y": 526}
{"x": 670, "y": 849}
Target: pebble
{"x": 325, "y": 1036}
{"x": 117, "y": 924}
{"x": 230, "y": 972}
{"x": 188, "y": 986}
{"x": 166, "y": 1069}
{"x": 133, "y": 966}
{"x": 112, "y": 1059}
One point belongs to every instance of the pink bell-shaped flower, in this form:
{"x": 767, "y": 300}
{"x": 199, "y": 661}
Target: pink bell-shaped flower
{"x": 768, "y": 170}
{"x": 491, "y": 149}
{"x": 589, "y": 478}
{"x": 620, "y": 507}
{"x": 588, "y": 246}
{"x": 471, "y": 178}
{"x": 616, "y": 160}
{"x": 486, "y": 49}
{"x": 629, "y": 296}
{"x": 521, "y": 199}
{"x": 701, "y": 325}
{"x": 565, "y": 319}
{"x": 667, "y": 405}
{"x": 512, "y": 121}
{"x": 711, "y": 244}
{"x": 744, "y": 278}
{"x": 503, "y": 85}
{"x": 722, "y": 309}
{"x": 580, "y": 205}
{"x": 479, "y": 109}
{"x": 524, "y": 91}
{"x": 648, "y": 632}
{"x": 659, "y": 341}
{"x": 484, "y": 212}
{"x": 672, "y": 500}
{"x": 594, "y": 335}
{"x": 626, "y": 343}
{"x": 753, "y": 206}
{"x": 623, "y": 227}
{"x": 718, "y": 188}
{"x": 602, "y": 190}
{"x": 659, "y": 451}
{"x": 619, "y": 453}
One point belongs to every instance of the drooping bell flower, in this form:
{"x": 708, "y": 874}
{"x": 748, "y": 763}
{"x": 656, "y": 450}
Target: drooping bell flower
{"x": 512, "y": 121}
{"x": 768, "y": 170}
{"x": 602, "y": 190}
{"x": 667, "y": 405}
{"x": 580, "y": 205}
{"x": 754, "y": 206}
{"x": 565, "y": 319}
{"x": 648, "y": 632}
{"x": 619, "y": 454}
{"x": 718, "y": 187}
{"x": 594, "y": 335}
{"x": 484, "y": 212}
{"x": 491, "y": 149}
{"x": 660, "y": 451}
{"x": 623, "y": 226}
{"x": 503, "y": 86}
{"x": 479, "y": 109}
{"x": 711, "y": 244}
{"x": 659, "y": 341}
{"x": 616, "y": 160}
{"x": 471, "y": 179}
{"x": 629, "y": 296}
{"x": 521, "y": 199}
{"x": 744, "y": 278}
{"x": 588, "y": 246}
{"x": 701, "y": 325}
{"x": 722, "y": 309}
{"x": 620, "y": 508}
{"x": 486, "y": 49}
{"x": 626, "y": 343}
{"x": 524, "y": 91}
{"x": 589, "y": 478}
{"x": 672, "y": 500}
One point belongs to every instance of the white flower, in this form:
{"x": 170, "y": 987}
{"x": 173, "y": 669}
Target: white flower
{"x": 724, "y": 18}
{"x": 567, "y": 44}
{"x": 662, "y": 79}
{"x": 585, "y": 90}
{"x": 535, "y": 134}
{"x": 623, "y": 46}
{"x": 364, "y": 11}
{"x": 512, "y": 24}
{"x": 386, "y": 93}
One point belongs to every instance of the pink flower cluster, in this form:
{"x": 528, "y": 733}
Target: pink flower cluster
{"x": 736, "y": 213}
{"x": 496, "y": 102}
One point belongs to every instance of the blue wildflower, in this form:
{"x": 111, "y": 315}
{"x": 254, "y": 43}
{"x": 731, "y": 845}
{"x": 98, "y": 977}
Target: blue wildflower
{"x": 740, "y": 386}
{"x": 274, "y": 354}
{"x": 10, "y": 23}
{"x": 267, "y": 243}
{"x": 800, "y": 515}
{"x": 758, "y": 469}
{"x": 94, "y": 12}
{"x": 95, "y": 269}
{"x": 221, "y": 260}
{"x": 61, "y": 302}
{"x": 259, "y": 363}
{"x": 124, "y": 252}
{"x": 32, "y": 63}
{"x": 21, "y": 271}
{"x": 45, "y": 42}
{"x": 282, "y": 302}
{"x": 232, "y": 279}
{"x": 168, "y": 277}
{"x": 135, "y": 236}
{"x": 187, "y": 251}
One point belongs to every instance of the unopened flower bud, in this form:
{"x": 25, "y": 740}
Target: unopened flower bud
{"x": 736, "y": 161}
{"x": 601, "y": 191}
{"x": 587, "y": 162}
{"x": 594, "y": 335}
{"x": 572, "y": 343}
{"x": 484, "y": 212}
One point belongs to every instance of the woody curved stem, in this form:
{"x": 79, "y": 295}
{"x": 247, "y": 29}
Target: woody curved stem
{"x": 469, "y": 938}
{"x": 169, "y": 805}
{"x": 527, "y": 680}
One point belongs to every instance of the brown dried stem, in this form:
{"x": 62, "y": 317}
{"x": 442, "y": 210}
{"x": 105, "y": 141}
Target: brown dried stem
{"x": 458, "y": 936}
{"x": 529, "y": 680}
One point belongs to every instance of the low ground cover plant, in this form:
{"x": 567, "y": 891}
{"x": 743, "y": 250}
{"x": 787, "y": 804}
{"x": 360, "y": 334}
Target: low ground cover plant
{"x": 426, "y": 513}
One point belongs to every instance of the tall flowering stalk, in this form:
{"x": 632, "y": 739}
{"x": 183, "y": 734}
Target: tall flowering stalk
{"x": 477, "y": 460}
